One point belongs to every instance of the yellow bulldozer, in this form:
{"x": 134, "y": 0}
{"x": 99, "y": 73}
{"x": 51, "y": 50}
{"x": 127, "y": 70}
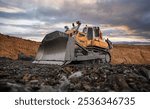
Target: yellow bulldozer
{"x": 73, "y": 46}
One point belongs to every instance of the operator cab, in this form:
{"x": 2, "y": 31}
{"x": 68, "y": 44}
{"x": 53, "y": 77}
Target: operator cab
{"x": 92, "y": 32}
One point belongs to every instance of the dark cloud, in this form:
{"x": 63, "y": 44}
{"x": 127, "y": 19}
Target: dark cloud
{"x": 132, "y": 13}
{"x": 15, "y": 16}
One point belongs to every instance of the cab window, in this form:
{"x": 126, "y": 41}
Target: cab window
{"x": 90, "y": 33}
{"x": 96, "y": 31}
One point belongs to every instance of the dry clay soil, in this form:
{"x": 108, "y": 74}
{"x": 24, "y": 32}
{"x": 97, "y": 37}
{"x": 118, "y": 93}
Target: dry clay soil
{"x": 121, "y": 54}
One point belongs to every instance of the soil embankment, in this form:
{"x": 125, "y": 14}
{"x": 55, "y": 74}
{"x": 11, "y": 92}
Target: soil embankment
{"x": 131, "y": 54}
{"x": 10, "y": 47}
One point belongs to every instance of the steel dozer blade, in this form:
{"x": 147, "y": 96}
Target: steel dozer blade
{"x": 54, "y": 49}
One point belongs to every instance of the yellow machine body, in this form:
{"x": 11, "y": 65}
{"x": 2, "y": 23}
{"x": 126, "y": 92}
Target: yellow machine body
{"x": 74, "y": 46}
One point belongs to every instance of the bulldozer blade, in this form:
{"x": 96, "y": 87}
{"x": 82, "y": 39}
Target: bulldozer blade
{"x": 53, "y": 49}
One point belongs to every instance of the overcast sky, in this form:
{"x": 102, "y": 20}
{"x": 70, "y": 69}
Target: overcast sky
{"x": 120, "y": 20}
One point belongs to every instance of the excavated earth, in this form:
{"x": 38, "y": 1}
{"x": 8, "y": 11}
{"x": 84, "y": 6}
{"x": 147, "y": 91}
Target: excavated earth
{"x": 18, "y": 75}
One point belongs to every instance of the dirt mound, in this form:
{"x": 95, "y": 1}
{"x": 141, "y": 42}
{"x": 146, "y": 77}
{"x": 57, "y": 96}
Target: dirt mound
{"x": 131, "y": 54}
{"x": 11, "y": 47}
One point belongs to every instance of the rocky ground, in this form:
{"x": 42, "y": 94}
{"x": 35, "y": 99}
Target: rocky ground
{"x": 19, "y": 75}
